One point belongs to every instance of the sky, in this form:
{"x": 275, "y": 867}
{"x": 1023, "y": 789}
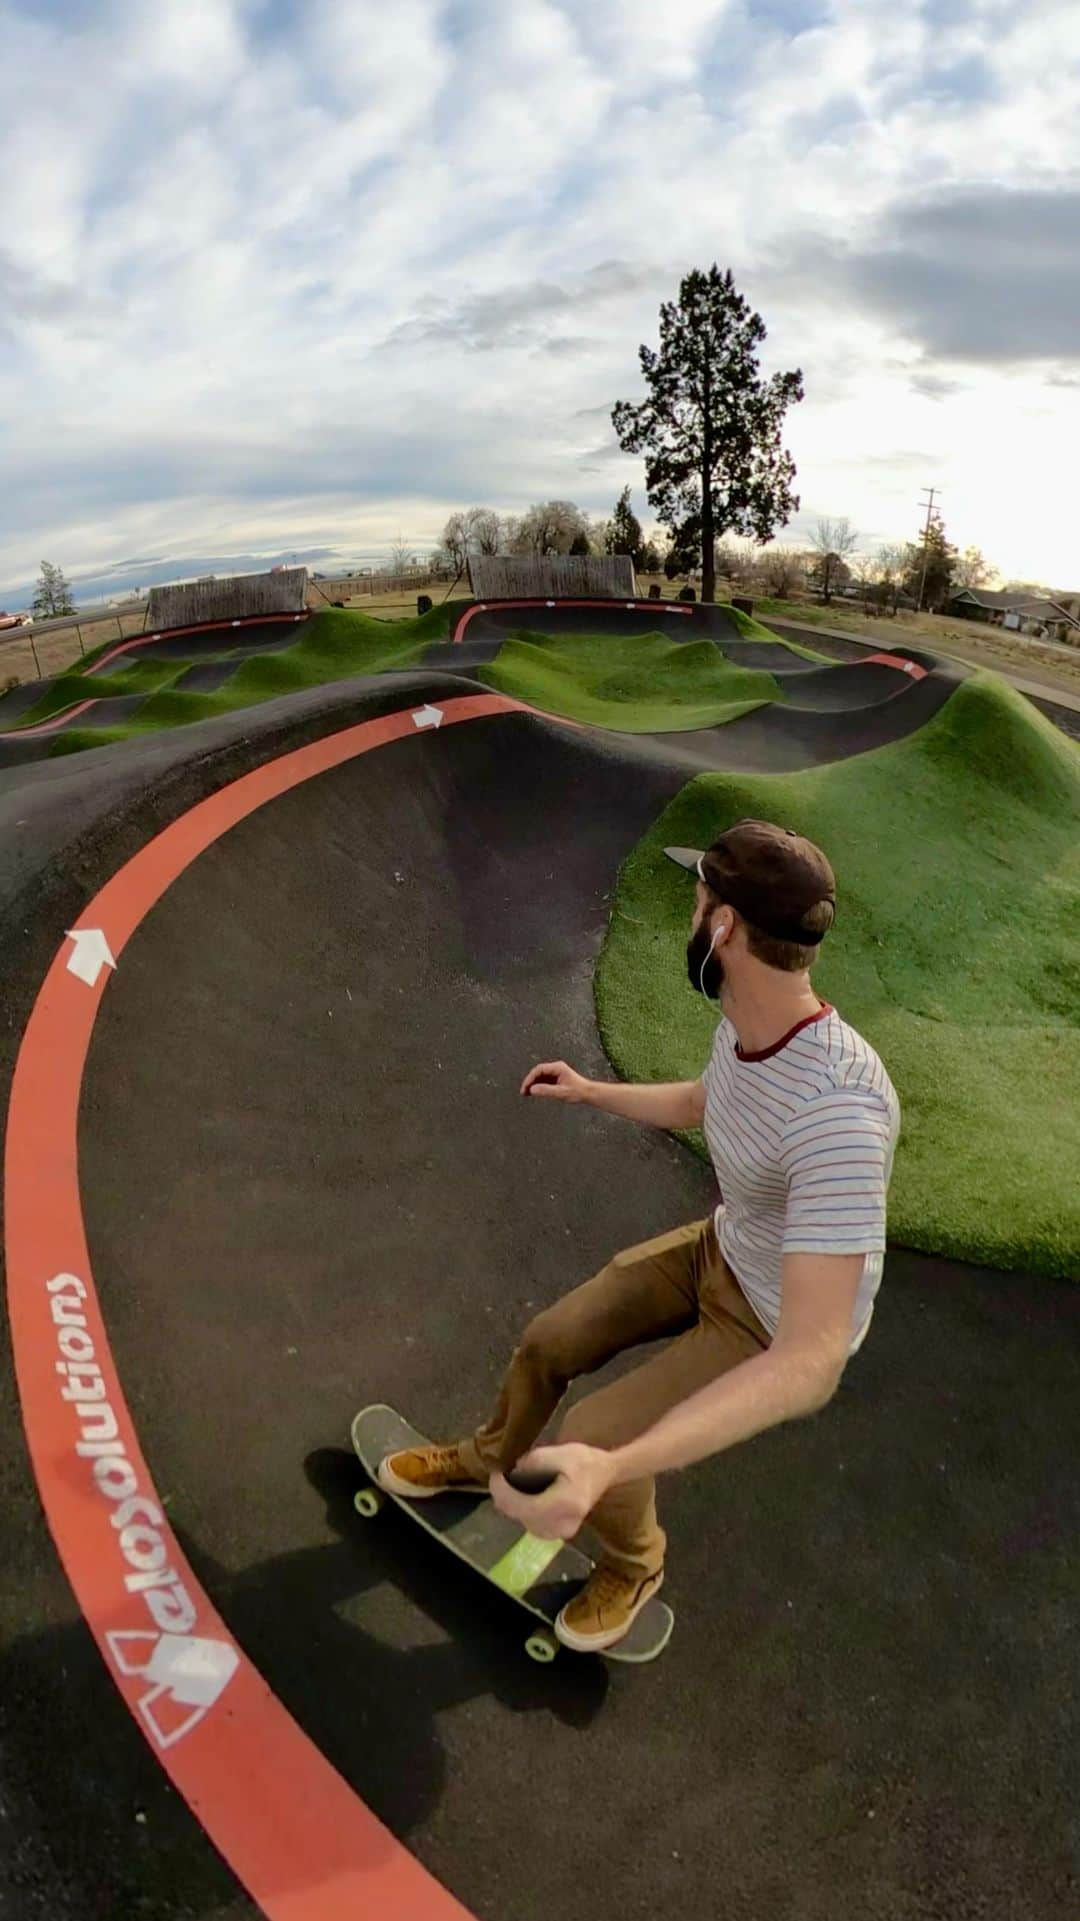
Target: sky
{"x": 282, "y": 278}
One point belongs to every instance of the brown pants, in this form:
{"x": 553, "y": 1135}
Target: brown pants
{"x": 678, "y": 1284}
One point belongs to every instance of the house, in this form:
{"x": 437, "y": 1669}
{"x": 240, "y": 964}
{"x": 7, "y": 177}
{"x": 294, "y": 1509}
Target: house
{"x": 1023, "y": 613}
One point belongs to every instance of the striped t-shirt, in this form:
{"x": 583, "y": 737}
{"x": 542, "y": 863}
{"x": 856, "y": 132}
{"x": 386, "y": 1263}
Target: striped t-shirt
{"x": 802, "y": 1138}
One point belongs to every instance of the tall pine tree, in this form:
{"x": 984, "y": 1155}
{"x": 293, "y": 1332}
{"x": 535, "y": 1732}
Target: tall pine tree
{"x": 710, "y": 425}
{"x": 622, "y": 535}
{"x": 928, "y": 576}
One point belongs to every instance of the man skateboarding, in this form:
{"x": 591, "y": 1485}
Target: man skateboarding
{"x": 761, "y": 1303}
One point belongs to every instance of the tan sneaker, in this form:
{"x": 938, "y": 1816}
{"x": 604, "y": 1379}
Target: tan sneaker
{"x": 605, "y": 1609}
{"x": 419, "y": 1472}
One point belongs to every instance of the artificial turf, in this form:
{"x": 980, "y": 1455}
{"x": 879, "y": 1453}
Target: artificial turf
{"x": 332, "y": 646}
{"x": 955, "y": 952}
{"x": 637, "y": 683}
{"x": 751, "y": 629}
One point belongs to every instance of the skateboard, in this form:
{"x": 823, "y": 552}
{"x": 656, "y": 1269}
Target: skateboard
{"x": 541, "y": 1575}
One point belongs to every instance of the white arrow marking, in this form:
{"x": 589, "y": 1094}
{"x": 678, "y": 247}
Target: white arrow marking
{"x": 89, "y": 954}
{"x": 428, "y": 717}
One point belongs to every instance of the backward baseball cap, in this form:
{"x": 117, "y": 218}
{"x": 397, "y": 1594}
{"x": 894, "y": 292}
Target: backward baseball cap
{"x": 771, "y": 875}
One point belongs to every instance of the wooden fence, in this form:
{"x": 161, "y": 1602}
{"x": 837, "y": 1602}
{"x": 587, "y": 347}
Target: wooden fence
{"x": 346, "y": 587}
{"x": 237, "y": 597}
{"x": 552, "y": 576}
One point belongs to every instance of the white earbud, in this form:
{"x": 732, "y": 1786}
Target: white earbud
{"x": 708, "y": 957}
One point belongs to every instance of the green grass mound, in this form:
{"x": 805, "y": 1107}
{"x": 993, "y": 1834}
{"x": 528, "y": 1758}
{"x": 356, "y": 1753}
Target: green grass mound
{"x": 635, "y": 683}
{"x": 957, "y": 855}
{"x": 699, "y": 688}
{"x": 69, "y": 689}
{"x": 335, "y": 645}
{"x": 751, "y": 629}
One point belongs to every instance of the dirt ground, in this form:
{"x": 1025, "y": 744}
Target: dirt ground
{"x": 28, "y": 653}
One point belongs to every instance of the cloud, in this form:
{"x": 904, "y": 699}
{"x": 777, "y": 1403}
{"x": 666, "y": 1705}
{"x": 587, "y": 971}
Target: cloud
{"x": 277, "y": 276}
{"x": 520, "y": 316}
{"x": 28, "y": 295}
{"x": 562, "y": 346}
{"x": 900, "y": 459}
{"x": 608, "y": 450}
{"x": 980, "y": 273}
{"x": 933, "y": 386}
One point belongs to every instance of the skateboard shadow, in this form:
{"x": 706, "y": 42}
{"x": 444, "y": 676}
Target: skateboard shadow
{"x": 483, "y": 1652}
{"x": 369, "y": 1703}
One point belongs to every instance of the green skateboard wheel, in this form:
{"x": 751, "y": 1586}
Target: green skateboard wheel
{"x": 368, "y": 1502}
{"x": 542, "y": 1646}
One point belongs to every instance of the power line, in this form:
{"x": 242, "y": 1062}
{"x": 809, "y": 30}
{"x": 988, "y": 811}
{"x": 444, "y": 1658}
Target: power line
{"x": 926, "y": 540}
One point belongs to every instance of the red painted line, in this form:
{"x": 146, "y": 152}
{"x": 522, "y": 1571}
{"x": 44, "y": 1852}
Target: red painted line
{"x": 292, "y": 1829}
{"x": 52, "y": 723}
{"x": 197, "y": 627}
{"x": 909, "y": 667}
{"x": 507, "y": 606}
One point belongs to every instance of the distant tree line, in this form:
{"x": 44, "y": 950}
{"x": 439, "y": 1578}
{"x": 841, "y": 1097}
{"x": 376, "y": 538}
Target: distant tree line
{"x": 548, "y": 527}
{"x": 925, "y": 572}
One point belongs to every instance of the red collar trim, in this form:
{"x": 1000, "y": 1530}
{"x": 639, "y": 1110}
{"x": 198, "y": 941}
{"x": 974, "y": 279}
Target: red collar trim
{"x": 766, "y": 1053}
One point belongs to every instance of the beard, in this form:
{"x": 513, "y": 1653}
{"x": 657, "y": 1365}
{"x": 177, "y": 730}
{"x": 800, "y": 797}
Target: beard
{"x": 704, "y": 968}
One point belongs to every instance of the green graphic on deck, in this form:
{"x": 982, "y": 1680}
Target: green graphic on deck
{"x": 526, "y": 1561}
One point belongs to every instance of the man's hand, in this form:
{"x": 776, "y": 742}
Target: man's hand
{"x": 585, "y": 1474}
{"x": 678, "y": 1104}
{"x": 556, "y": 1082}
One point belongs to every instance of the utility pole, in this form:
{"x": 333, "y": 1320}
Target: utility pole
{"x": 926, "y": 540}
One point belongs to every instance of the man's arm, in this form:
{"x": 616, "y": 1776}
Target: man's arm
{"x": 794, "y": 1377}
{"x": 661, "y": 1104}
{"x": 797, "y": 1375}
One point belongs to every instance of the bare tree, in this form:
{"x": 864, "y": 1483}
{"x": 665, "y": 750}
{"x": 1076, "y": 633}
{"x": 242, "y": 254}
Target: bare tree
{"x": 485, "y": 531}
{"x": 730, "y": 560}
{"x": 454, "y": 545}
{"x": 402, "y": 558}
{"x": 550, "y": 527}
{"x": 890, "y": 564}
{"x": 832, "y": 541}
{"x": 864, "y": 573}
{"x": 782, "y": 569}
{"x": 476, "y": 531}
{"x": 973, "y": 570}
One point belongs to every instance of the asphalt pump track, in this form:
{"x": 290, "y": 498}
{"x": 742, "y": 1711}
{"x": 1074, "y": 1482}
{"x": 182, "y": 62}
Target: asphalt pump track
{"x": 273, "y": 1166}
{"x": 792, "y": 734}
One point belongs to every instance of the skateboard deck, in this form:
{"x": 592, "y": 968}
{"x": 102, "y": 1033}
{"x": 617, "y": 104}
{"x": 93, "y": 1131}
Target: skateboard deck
{"x": 541, "y": 1575}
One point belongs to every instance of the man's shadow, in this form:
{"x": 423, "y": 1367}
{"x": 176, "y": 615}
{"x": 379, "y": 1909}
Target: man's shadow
{"x": 370, "y": 1706}
{"x": 93, "y": 1827}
